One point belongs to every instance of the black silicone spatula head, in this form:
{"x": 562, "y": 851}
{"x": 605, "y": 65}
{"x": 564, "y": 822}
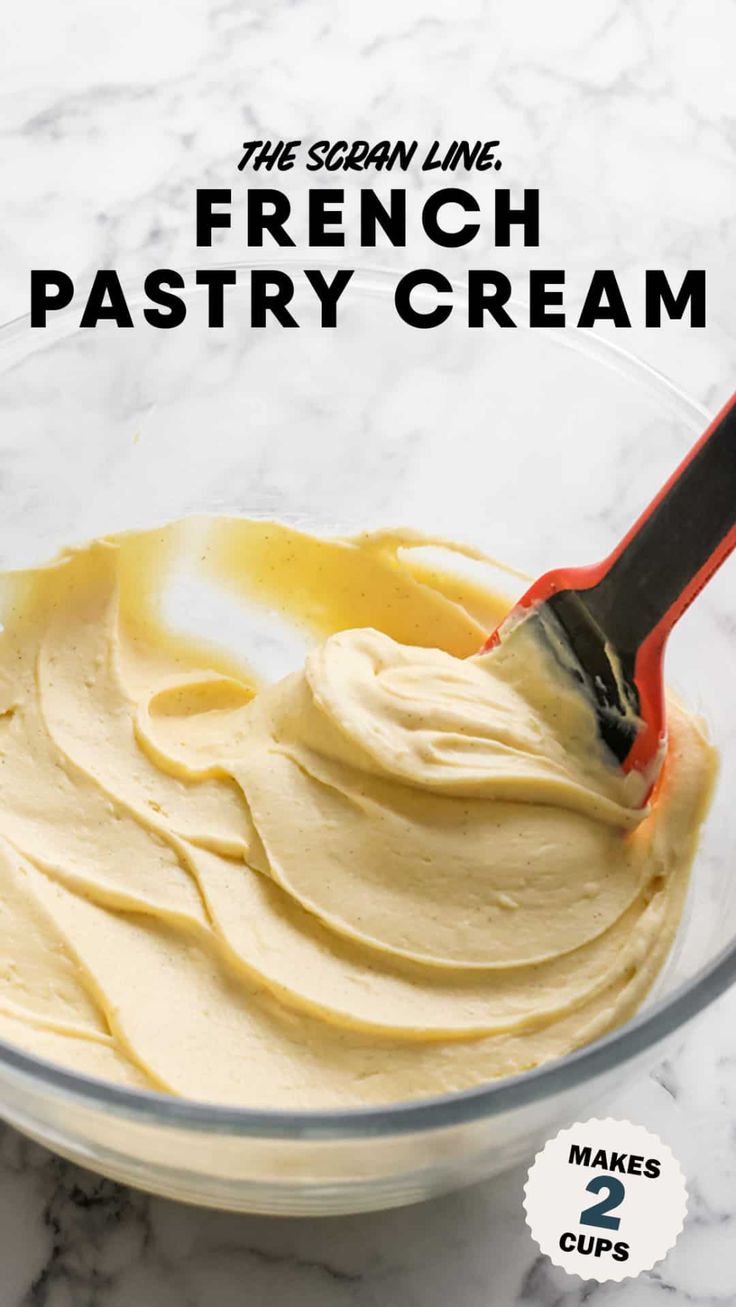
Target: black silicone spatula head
{"x": 613, "y": 619}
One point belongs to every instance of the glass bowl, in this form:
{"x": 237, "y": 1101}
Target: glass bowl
{"x": 538, "y": 446}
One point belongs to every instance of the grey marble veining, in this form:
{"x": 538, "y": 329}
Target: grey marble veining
{"x": 623, "y": 114}
{"x": 69, "y": 1239}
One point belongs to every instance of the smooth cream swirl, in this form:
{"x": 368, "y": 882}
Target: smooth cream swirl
{"x": 396, "y": 871}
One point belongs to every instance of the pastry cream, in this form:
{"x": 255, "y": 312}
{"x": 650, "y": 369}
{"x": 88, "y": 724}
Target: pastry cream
{"x": 400, "y": 870}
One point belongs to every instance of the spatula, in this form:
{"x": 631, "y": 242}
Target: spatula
{"x": 613, "y": 618}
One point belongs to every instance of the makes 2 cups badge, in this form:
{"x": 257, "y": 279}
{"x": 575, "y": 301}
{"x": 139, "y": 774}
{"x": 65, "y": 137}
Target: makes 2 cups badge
{"x": 605, "y": 1200}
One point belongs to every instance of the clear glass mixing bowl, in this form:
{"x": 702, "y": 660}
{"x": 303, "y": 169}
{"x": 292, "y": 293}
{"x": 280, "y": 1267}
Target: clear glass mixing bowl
{"x": 539, "y": 447}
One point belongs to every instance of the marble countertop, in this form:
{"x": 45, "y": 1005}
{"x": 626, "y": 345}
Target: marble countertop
{"x": 623, "y": 114}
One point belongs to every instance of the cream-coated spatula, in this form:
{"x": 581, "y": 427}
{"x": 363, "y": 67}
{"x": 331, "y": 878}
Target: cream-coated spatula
{"x": 614, "y": 618}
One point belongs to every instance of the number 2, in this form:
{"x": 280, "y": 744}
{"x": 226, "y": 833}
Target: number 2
{"x": 598, "y": 1213}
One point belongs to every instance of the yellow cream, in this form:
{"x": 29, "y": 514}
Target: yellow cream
{"x": 399, "y": 870}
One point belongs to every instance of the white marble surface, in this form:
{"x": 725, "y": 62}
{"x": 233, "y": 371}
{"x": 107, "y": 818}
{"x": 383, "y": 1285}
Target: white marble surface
{"x": 623, "y": 114}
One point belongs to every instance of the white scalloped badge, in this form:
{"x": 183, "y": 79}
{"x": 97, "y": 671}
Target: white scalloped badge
{"x": 605, "y": 1200}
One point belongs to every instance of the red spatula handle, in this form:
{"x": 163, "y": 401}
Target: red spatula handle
{"x": 676, "y": 544}
{"x": 636, "y": 595}
{"x": 673, "y": 548}
{"x": 639, "y": 592}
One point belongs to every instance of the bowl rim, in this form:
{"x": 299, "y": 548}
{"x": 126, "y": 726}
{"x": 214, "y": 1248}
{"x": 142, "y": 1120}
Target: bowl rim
{"x": 644, "y": 1031}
